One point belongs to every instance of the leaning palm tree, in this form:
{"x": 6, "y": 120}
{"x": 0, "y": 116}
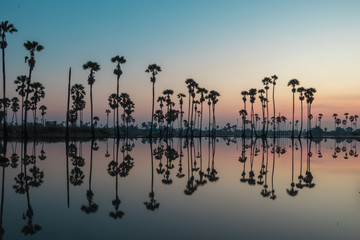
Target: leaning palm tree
{"x": 154, "y": 70}
{"x": 93, "y": 67}
{"x": 32, "y": 47}
{"x": 273, "y": 80}
{"x": 5, "y": 28}
{"x": 117, "y": 71}
{"x": 293, "y": 83}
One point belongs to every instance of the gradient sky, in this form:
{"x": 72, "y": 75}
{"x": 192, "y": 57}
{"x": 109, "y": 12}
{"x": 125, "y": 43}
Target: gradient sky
{"x": 228, "y": 46}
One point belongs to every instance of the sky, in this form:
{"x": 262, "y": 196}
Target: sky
{"x": 228, "y": 46}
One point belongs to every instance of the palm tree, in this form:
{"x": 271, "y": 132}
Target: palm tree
{"x": 263, "y": 101}
{"x": 181, "y": 102}
{"x": 21, "y": 90}
{"x": 5, "y": 28}
{"x": 117, "y": 71}
{"x": 202, "y": 92}
{"x": 191, "y": 85}
{"x": 15, "y": 107}
{"x": 252, "y": 93}
{"x": 78, "y": 94}
{"x": 273, "y": 81}
{"x": 38, "y": 94}
{"x": 214, "y": 99}
{"x": 32, "y": 47}
{"x": 266, "y": 81}
{"x": 43, "y": 108}
{"x": 301, "y": 90}
{"x": 335, "y": 116}
{"x": 107, "y": 111}
{"x": 320, "y": 117}
{"x": 154, "y": 70}
{"x": 293, "y": 83}
{"x": 243, "y": 114}
{"x": 93, "y": 67}
{"x": 309, "y": 95}
{"x": 113, "y": 104}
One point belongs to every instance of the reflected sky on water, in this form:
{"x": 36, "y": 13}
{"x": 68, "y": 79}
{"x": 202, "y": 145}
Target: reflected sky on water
{"x": 228, "y": 188}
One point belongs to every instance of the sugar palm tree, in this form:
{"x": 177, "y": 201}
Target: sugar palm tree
{"x": 153, "y": 69}
{"x": 15, "y": 107}
{"x": 21, "y": 89}
{"x": 243, "y": 114}
{"x": 118, "y": 72}
{"x": 93, "y": 67}
{"x": 320, "y": 117}
{"x": 181, "y": 102}
{"x": 32, "y": 47}
{"x": 213, "y": 95}
{"x": 107, "y": 111}
{"x": 78, "y": 94}
{"x": 43, "y": 109}
{"x": 38, "y": 93}
{"x": 266, "y": 81}
{"x": 113, "y": 104}
{"x": 252, "y": 94}
{"x": 202, "y": 92}
{"x": 293, "y": 83}
{"x": 191, "y": 85}
{"x": 5, "y": 28}
{"x": 273, "y": 81}
{"x": 301, "y": 91}
{"x": 309, "y": 95}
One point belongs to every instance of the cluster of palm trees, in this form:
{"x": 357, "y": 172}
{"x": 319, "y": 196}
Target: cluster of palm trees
{"x": 197, "y": 96}
{"x": 263, "y": 96}
{"x": 349, "y": 122}
{"x": 30, "y": 92}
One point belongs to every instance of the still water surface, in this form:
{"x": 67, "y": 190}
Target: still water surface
{"x": 223, "y": 189}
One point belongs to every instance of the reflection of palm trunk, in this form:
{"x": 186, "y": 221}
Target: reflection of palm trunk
{"x": 3, "y": 188}
{"x": 67, "y": 172}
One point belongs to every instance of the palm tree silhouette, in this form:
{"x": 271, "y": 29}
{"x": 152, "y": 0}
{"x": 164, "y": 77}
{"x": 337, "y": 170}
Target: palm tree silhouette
{"x": 266, "y": 81}
{"x": 309, "y": 95}
{"x": 118, "y": 72}
{"x": 152, "y": 204}
{"x": 5, "y": 28}
{"x": 154, "y": 70}
{"x": 78, "y": 94}
{"x": 252, "y": 94}
{"x": 43, "y": 109}
{"x": 243, "y": 114}
{"x": 93, "y": 67}
{"x": 21, "y": 90}
{"x": 107, "y": 111}
{"x": 292, "y": 191}
{"x": 38, "y": 94}
{"x": 273, "y": 81}
{"x": 191, "y": 85}
{"x": 202, "y": 92}
{"x": 32, "y": 47}
{"x": 293, "y": 83}
{"x": 213, "y": 95}
{"x": 14, "y": 107}
{"x": 181, "y": 102}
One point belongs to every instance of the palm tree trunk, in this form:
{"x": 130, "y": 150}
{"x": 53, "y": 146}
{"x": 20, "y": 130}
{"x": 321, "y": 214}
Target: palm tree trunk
{"x": 201, "y": 117}
{"x": 117, "y": 108}
{"x": 152, "y": 111}
{"x": 209, "y": 120}
{"x": 274, "y": 109}
{"x": 293, "y": 113}
{"x": 4, "y": 91}
{"x": 25, "y": 133}
{"x": 92, "y": 113}
{"x": 68, "y": 106}
{"x": 267, "y": 112}
{"x": 187, "y": 130}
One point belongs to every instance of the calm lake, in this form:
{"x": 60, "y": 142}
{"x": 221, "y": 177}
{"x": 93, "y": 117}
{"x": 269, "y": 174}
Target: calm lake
{"x": 223, "y": 189}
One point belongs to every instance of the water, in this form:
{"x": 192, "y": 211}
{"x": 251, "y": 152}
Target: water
{"x": 182, "y": 193}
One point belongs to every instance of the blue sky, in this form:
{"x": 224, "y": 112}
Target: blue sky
{"x": 225, "y": 45}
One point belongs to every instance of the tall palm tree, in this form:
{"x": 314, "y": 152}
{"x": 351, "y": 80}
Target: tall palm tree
{"x": 5, "y": 28}
{"x": 107, "y": 111}
{"x": 93, "y": 67}
{"x": 266, "y": 81}
{"x": 252, "y": 94}
{"x": 32, "y": 47}
{"x": 181, "y": 102}
{"x": 273, "y": 81}
{"x": 118, "y": 72}
{"x": 15, "y": 107}
{"x": 243, "y": 114}
{"x": 191, "y": 85}
{"x": 293, "y": 83}
{"x": 153, "y": 69}
{"x": 78, "y": 94}
{"x": 214, "y": 99}
{"x": 309, "y": 95}
{"x": 202, "y": 92}
{"x": 43, "y": 109}
{"x": 21, "y": 90}
{"x": 301, "y": 90}
{"x": 38, "y": 94}
{"x": 113, "y": 104}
